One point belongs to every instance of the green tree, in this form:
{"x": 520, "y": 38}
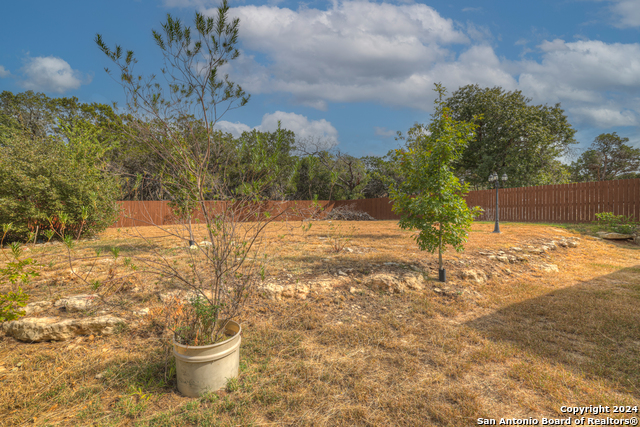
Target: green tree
{"x": 431, "y": 197}
{"x": 311, "y": 179}
{"x": 39, "y": 116}
{"x": 338, "y": 175}
{"x": 46, "y": 181}
{"x": 280, "y": 143}
{"x": 514, "y": 137}
{"x": 382, "y": 171}
{"x": 608, "y": 157}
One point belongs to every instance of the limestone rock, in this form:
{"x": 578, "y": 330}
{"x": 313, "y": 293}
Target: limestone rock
{"x": 572, "y": 244}
{"x": 142, "y": 312}
{"x": 636, "y": 239}
{"x": 58, "y": 329}
{"x": 295, "y": 291}
{"x": 549, "y": 268}
{"x": 183, "y": 296}
{"x": 36, "y": 307}
{"x": 414, "y": 282}
{"x": 272, "y": 291}
{"x": 477, "y": 276}
{"x": 386, "y": 283}
{"x": 614, "y": 236}
{"x": 502, "y": 258}
{"x": 77, "y": 302}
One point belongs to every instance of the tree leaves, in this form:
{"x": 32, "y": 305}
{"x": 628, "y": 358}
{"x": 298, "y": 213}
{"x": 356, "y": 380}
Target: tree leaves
{"x": 431, "y": 197}
{"x": 514, "y": 137}
{"x": 607, "y": 158}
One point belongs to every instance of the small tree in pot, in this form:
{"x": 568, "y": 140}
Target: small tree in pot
{"x": 177, "y": 125}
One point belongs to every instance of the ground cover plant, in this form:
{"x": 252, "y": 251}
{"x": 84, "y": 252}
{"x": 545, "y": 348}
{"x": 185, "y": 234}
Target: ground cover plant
{"x": 507, "y": 335}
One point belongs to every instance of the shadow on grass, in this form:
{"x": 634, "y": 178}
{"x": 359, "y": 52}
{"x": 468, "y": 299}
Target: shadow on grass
{"x": 593, "y": 327}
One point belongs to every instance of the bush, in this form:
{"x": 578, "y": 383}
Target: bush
{"x": 617, "y": 223}
{"x": 17, "y": 272}
{"x": 56, "y": 183}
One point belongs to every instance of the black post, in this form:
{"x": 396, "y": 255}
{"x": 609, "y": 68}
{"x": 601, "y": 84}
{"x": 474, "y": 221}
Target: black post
{"x": 497, "y": 229}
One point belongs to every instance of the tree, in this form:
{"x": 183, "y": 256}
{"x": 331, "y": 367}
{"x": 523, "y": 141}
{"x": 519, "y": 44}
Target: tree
{"x": 382, "y": 171}
{"x": 347, "y": 175}
{"x": 56, "y": 182}
{"x": 176, "y": 123}
{"x": 431, "y": 197}
{"x": 608, "y": 157}
{"x": 39, "y": 116}
{"x": 280, "y": 143}
{"x": 513, "y": 137}
{"x": 311, "y": 179}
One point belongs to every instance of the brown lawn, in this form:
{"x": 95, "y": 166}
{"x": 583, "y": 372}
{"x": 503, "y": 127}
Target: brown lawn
{"x": 520, "y": 345}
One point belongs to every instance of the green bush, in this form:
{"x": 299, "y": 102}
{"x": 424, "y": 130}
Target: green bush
{"x": 10, "y": 304}
{"x": 16, "y": 272}
{"x": 56, "y": 183}
{"x": 617, "y": 223}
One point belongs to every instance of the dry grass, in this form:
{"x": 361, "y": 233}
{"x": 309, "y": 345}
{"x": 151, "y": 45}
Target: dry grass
{"x": 521, "y": 345}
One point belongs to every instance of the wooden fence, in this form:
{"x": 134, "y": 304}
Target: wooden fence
{"x": 569, "y": 203}
{"x": 564, "y": 203}
{"x": 143, "y": 213}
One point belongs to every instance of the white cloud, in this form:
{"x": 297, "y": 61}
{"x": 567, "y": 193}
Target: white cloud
{"x": 3, "y": 72}
{"x": 597, "y": 82}
{"x": 305, "y": 129}
{"x": 51, "y": 74}
{"x": 355, "y": 51}
{"x": 472, "y": 9}
{"x": 382, "y": 131}
{"x": 392, "y": 54}
{"x": 478, "y": 32}
{"x": 234, "y": 129}
{"x": 605, "y": 117}
{"x": 301, "y": 126}
{"x": 627, "y": 13}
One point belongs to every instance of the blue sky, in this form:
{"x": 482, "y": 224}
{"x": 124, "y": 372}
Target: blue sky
{"x": 352, "y": 73}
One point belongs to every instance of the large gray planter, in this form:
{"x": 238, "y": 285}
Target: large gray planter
{"x": 201, "y": 369}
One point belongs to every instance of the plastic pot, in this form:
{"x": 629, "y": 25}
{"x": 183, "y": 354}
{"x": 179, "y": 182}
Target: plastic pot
{"x": 201, "y": 369}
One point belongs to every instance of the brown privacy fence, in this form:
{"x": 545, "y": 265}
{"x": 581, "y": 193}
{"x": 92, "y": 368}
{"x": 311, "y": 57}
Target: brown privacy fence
{"x": 570, "y": 203}
{"x": 142, "y": 213}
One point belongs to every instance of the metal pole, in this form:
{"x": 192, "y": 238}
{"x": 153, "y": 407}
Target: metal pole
{"x": 497, "y": 229}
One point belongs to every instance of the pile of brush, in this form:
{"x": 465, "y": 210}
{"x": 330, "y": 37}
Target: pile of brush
{"x": 348, "y": 213}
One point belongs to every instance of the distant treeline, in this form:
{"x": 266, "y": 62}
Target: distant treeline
{"x": 58, "y": 151}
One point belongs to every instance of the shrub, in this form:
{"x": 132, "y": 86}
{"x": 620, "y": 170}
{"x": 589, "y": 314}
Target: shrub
{"x": 16, "y": 272}
{"x": 617, "y": 223}
{"x": 55, "y": 183}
